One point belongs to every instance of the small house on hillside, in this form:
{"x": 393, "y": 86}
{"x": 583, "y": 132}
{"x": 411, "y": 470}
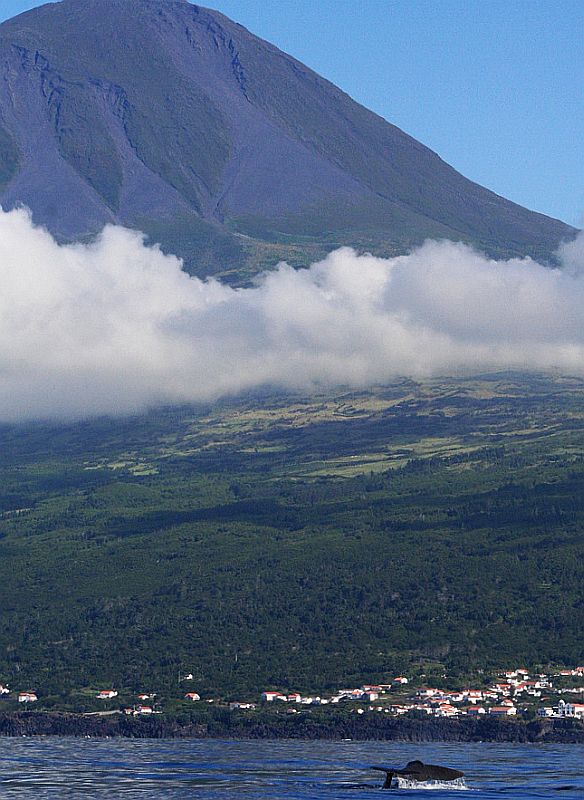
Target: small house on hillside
{"x": 106, "y": 694}
{"x": 503, "y": 711}
{"x": 427, "y": 692}
{"x": 445, "y": 710}
{"x": 571, "y": 709}
{"x": 546, "y": 711}
{"x": 27, "y": 697}
{"x": 269, "y": 697}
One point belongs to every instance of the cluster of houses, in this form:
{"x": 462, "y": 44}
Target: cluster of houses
{"x": 504, "y": 697}
{"x": 499, "y": 699}
{"x": 367, "y": 694}
{"x": 137, "y": 710}
{"x": 140, "y": 709}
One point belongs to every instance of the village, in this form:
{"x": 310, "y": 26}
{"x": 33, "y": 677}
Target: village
{"x": 512, "y": 693}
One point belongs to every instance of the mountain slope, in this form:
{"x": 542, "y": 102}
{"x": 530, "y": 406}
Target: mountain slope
{"x": 166, "y": 116}
{"x": 306, "y": 543}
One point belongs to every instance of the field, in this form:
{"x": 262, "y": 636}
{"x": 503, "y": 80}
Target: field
{"x": 296, "y": 542}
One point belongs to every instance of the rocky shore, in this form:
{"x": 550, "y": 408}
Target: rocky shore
{"x": 230, "y": 725}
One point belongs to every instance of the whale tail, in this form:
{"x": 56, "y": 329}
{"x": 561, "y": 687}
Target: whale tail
{"x": 388, "y": 780}
{"x": 418, "y": 771}
{"x": 389, "y": 774}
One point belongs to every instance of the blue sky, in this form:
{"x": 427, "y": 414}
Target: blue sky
{"x": 494, "y": 86}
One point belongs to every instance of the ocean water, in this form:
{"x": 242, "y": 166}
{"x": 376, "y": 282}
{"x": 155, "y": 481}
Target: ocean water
{"x": 117, "y": 768}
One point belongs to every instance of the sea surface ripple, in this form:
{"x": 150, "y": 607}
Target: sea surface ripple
{"x": 92, "y": 768}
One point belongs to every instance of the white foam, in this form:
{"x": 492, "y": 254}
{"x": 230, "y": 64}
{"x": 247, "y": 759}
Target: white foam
{"x": 405, "y": 783}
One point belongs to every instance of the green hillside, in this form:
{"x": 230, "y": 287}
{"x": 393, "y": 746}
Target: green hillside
{"x": 296, "y": 542}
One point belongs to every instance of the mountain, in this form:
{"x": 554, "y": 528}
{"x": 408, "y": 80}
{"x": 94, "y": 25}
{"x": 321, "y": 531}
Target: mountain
{"x": 171, "y": 118}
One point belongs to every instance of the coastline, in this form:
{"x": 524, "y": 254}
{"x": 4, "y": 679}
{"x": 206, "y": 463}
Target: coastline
{"x": 239, "y": 726}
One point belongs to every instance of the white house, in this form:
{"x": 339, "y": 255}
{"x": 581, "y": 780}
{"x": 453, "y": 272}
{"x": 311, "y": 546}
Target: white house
{"x": 532, "y": 688}
{"x": 27, "y": 697}
{"x": 445, "y": 710}
{"x": 427, "y": 692}
{"x": 269, "y": 697}
{"x": 106, "y": 694}
{"x": 455, "y": 697}
{"x": 502, "y": 688}
{"x": 571, "y": 709}
{"x": 546, "y": 711}
{"x": 503, "y": 711}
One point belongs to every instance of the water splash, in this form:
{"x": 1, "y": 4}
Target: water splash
{"x": 405, "y": 783}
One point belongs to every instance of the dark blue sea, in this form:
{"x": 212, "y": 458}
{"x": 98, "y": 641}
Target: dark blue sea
{"x": 118, "y": 768}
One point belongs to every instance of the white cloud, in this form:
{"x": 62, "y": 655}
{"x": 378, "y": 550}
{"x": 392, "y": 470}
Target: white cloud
{"x": 115, "y": 326}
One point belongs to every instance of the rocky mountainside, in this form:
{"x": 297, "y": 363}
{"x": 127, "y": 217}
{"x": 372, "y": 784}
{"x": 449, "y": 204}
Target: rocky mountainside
{"x": 168, "y": 117}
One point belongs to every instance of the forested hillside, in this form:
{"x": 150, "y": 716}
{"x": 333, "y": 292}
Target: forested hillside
{"x": 299, "y": 543}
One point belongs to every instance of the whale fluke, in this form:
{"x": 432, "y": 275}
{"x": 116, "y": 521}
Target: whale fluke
{"x": 389, "y": 773}
{"x": 418, "y": 771}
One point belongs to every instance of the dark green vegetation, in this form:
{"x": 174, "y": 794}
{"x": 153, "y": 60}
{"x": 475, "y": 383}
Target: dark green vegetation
{"x": 168, "y": 117}
{"x": 8, "y": 158}
{"x": 220, "y": 723}
{"x": 302, "y": 543}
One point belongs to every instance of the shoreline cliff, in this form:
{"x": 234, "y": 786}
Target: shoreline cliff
{"x": 240, "y": 726}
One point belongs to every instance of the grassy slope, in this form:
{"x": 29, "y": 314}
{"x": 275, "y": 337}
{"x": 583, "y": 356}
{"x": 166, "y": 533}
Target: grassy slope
{"x": 297, "y": 542}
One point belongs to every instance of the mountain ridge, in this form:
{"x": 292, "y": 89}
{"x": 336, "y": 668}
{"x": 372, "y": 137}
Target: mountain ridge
{"x": 169, "y": 117}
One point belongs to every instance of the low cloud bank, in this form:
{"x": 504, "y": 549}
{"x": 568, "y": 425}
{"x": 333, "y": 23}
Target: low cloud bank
{"x": 115, "y": 326}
